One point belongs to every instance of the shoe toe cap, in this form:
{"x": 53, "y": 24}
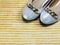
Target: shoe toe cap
{"x": 47, "y": 19}
{"x": 28, "y": 14}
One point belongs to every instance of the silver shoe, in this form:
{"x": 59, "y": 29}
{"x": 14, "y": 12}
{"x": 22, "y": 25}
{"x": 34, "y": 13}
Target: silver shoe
{"x": 49, "y": 17}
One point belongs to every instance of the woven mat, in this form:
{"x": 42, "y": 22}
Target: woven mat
{"x": 14, "y": 31}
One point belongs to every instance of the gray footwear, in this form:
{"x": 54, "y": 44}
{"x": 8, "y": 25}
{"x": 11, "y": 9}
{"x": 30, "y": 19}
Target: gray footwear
{"x": 49, "y": 17}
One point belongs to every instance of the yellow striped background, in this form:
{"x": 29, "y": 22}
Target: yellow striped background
{"x": 14, "y": 31}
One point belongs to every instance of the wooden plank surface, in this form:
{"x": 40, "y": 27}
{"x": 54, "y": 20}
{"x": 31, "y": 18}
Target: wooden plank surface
{"x": 14, "y": 31}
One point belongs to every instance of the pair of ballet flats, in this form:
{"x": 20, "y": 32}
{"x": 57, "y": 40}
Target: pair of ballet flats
{"x": 37, "y": 9}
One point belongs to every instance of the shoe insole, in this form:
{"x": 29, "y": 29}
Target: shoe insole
{"x": 41, "y": 3}
{"x": 54, "y": 3}
{"x": 56, "y": 7}
{"x": 38, "y": 3}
